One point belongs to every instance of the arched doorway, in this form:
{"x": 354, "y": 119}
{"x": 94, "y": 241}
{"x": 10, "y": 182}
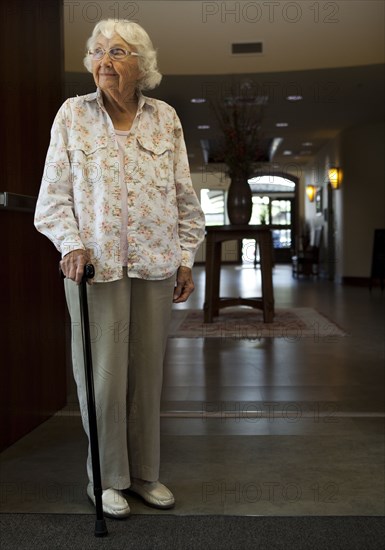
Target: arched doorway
{"x": 275, "y": 204}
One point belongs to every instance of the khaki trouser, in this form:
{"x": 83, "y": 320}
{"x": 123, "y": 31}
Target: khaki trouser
{"x": 129, "y": 322}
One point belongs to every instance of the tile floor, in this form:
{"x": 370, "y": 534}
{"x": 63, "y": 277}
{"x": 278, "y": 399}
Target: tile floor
{"x": 266, "y": 427}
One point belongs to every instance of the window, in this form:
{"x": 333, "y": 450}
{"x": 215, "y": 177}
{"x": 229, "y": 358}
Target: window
{"x": 281, "y": 215}
{"x": 213, "y": 206}
{"x": 260, "y": 212}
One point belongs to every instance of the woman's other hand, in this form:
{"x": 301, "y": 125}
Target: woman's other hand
{"x": 72, "y": 265}
{"x": 184, "y": 285}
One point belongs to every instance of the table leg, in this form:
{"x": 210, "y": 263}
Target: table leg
{"x": 213, "y": 266}
{"x": 265, "y": 251}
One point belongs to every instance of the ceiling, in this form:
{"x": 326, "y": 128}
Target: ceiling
{"x": 330, "y": 53}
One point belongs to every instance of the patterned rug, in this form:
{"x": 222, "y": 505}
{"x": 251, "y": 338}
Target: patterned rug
{"x": 243, "y": 323}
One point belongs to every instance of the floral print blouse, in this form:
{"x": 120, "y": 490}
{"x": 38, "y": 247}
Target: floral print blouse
{"x": 79, "y": 204}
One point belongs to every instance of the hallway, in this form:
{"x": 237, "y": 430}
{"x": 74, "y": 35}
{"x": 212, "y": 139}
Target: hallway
{"x": 249, "y": 427}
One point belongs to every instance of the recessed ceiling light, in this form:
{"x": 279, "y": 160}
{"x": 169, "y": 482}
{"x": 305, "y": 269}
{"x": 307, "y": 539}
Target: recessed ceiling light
{"x": 294, "y": 97}
{"x": 198, "y": 100}
{"x": 203, "y": 127}
{"x": 307, "y": 143}
{"x": 287, "y": 152}
{"x": 282, "y": 124}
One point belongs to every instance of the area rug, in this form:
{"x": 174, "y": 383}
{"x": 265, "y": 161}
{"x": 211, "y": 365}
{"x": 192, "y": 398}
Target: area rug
{"x": 243, "y": 323}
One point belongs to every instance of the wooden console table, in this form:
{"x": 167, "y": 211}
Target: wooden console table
{"x": 217, "y": 234}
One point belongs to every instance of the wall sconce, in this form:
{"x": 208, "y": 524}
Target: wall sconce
{"x": 335, "y": 177}
{"x": 310, "y": 192}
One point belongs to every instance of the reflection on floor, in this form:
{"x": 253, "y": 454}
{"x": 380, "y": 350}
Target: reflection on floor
{"x": 264, "y": 427}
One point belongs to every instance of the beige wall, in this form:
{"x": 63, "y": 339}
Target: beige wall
{"x": 317, "y": 174}
{"x": 359, "y": 206}
{"x": 362, "y": 157}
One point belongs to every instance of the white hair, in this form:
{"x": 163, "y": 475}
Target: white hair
{"x": 136, "y": 36}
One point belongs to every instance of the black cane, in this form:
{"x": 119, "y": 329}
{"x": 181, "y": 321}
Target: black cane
{"x": 100, "y": 524}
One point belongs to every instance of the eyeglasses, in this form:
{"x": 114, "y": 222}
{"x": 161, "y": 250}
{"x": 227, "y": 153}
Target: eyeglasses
{"x": 117, "y": 54}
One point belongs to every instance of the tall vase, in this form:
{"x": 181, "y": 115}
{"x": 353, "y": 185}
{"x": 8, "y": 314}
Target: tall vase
{"x": 239, "y": 200}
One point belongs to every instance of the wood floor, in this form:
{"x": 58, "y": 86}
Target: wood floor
{"x": 266, "y": 427}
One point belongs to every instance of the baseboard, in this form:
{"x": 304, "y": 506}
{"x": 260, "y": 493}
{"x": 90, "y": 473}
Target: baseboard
{"x": 361, "y": 281}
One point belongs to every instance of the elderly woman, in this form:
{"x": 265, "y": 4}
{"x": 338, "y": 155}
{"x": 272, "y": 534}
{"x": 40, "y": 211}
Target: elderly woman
{"x": 116, "y": 191}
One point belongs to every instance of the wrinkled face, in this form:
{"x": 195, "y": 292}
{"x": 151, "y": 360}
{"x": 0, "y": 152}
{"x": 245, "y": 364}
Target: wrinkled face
{"x": 109, "y": 74}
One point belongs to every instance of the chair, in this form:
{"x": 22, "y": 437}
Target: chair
{"x": 306, "y": 262}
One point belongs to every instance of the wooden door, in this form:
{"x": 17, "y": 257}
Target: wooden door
{"x": 32, "y": 334}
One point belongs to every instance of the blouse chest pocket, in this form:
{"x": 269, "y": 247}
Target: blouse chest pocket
{"x": 157, "y": 159}
{"x": 89, "y": 146}
{"x": 88, "y": 160}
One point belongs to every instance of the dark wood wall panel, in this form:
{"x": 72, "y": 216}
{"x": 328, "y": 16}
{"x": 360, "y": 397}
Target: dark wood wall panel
{"x": 33, "y": 372}
{"x": 32, "y": 334}
{"x": 31, "y": 87}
